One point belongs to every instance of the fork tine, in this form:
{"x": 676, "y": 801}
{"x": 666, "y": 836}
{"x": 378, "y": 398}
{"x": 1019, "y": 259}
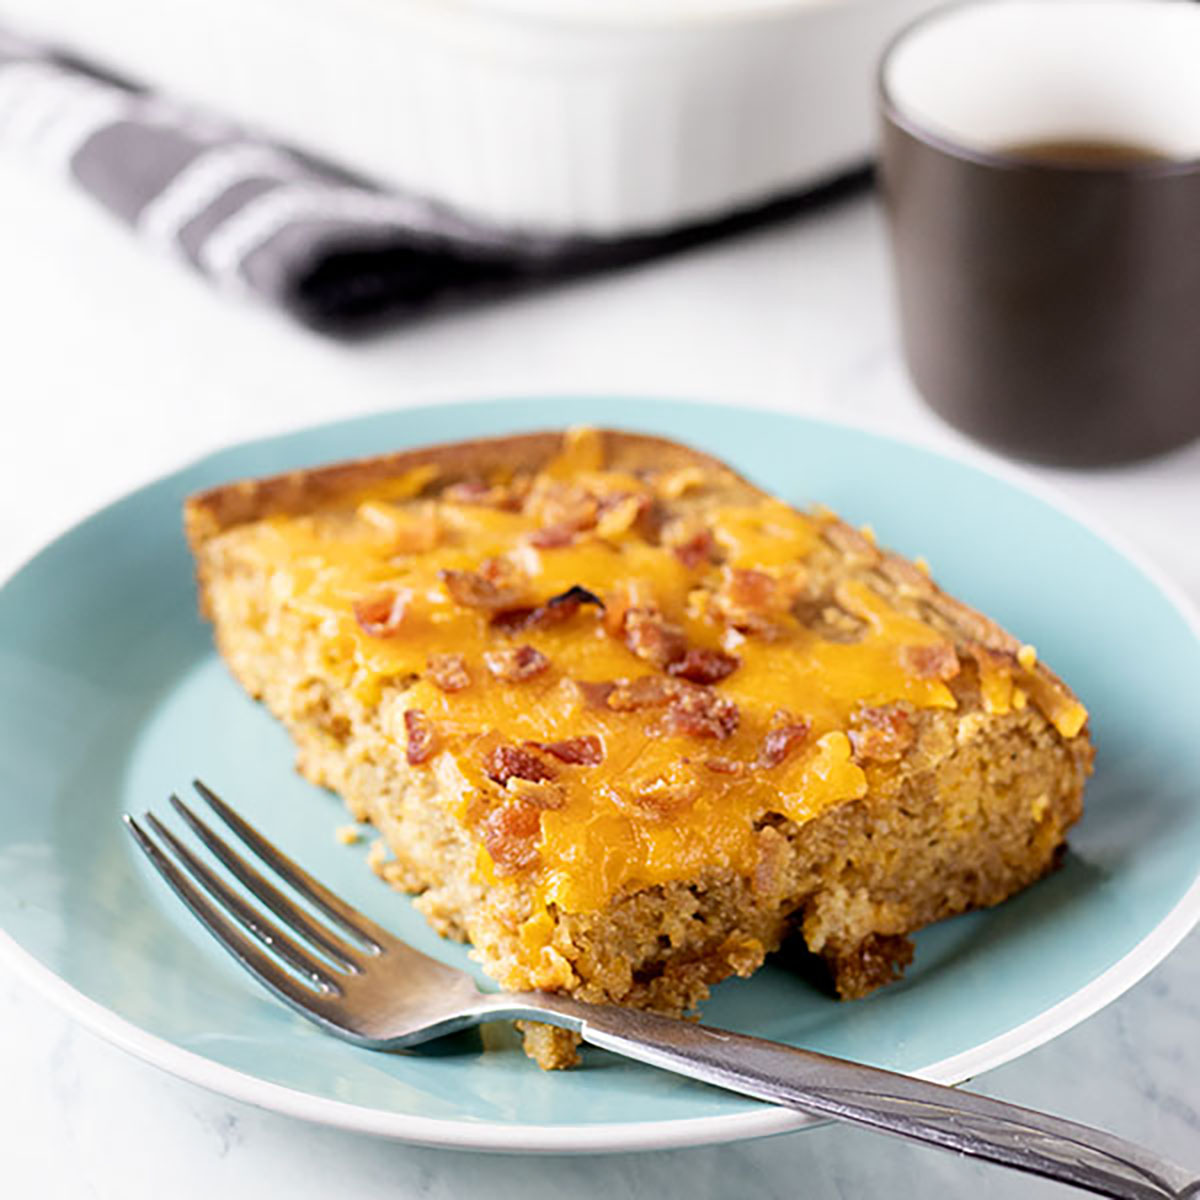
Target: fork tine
{"x": 262, "y": 967}
{"x": 264, "y": 929}
{"x": 333, "y": 906}
{"x": 290, "y": 914}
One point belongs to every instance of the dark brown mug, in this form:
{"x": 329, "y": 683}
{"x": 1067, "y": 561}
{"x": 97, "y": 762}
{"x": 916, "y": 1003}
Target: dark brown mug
{"x": 1041, "y": 170}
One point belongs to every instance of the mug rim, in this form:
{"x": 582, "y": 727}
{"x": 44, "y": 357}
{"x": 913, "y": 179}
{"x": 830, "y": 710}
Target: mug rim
{"x": 948, "y": 144}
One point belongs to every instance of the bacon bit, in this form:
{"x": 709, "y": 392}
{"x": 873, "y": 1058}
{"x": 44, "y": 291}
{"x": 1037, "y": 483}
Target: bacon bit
{"x": 749, "y": 588}
{"x": 691, "y": 709}
{"x": 554, "y": 537}
{"x": 421, "y": 739}
{"x": 468, "y": 491}
{"x": 649, "y": 691}
{"x": 652, "y": 638}
{"x": 651, "y": 521}
{"x": 594, "y": 694}
{"x": 514, "y": 620}
{"x": 704, "y": 666}
{"x": 663, "y": 799}
{"x": 697, "y": 551}
{"x": 553, "y": 503}
{"x": 511, "y": 834}
{"x": 937, "y": 661}
{"x": 381, "y": 616}
{"x": 881, "y": 734}
{"x": 725, "y": 766}
{"x": 748, "y": 599}
{"x": 493, "y": 587}
{"x": 508, "y": 762}
{"x": 470, "y": 589}
{"x": 586, "y": 751}
{"x": 556, "y": 610}
{"x": 675, "y": 483}
{"x": 449, "y": 672}
{"x": 700, "y": 712}
{"x": 513, "y": 665}
{"x": 627, "y": 595}
{"x": 620, "y": 513}
{"x": 566, "y": 514}
{"x": 780, "y": 742}
{"x": 501, "y": 572}
{"x": 543, "y": 795}
{"x": 480, "y": 494}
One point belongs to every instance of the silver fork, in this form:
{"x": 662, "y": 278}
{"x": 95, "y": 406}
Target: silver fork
{"x": 357, "y": 981}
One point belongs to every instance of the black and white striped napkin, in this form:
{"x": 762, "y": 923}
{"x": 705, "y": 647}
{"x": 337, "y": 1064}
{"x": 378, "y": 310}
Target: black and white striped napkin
{"x": 269, "y": 221}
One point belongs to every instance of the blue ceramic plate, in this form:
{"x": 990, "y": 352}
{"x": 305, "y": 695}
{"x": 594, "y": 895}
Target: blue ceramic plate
{"x": 111, "y": 697}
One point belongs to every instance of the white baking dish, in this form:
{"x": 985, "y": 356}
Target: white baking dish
{"x": 558, "y": 115}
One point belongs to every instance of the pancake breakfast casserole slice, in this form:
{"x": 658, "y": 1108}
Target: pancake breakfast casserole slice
{"x": 623, "y": 721}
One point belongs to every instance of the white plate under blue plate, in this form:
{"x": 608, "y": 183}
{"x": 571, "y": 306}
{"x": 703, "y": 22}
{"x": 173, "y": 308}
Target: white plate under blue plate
{"x": 111, "y": 697}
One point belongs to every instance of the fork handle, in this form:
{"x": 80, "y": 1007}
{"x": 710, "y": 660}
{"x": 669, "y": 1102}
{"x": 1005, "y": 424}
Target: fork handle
{"x": 911, "y": 1108}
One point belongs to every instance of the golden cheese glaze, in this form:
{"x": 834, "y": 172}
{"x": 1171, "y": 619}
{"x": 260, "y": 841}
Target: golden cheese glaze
{"x": 662, "y": 804}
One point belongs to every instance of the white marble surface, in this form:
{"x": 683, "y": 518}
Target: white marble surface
{"x": 118, "y": 366}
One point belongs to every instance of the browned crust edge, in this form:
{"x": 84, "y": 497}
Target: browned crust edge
{"x": 244, "y": 501}
{"x": 210, "y": 513}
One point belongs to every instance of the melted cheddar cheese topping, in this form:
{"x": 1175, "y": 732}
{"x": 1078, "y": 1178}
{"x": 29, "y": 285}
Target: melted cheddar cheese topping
{"x": 586, "y": 753}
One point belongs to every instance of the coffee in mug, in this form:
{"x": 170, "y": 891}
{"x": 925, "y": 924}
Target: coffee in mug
{"x": 1041, "y": 174}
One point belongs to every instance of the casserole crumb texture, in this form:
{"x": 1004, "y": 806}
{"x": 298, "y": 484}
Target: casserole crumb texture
{"x": 623, "y": 721}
